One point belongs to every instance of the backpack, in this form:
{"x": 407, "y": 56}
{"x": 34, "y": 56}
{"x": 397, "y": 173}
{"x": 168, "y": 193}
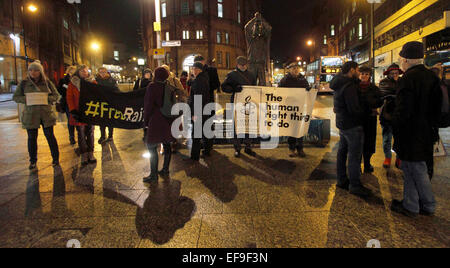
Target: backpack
{"x": 444, "y": 117}
{"x": 171, "y": 96}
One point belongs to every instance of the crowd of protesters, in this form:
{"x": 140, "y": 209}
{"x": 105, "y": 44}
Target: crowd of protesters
{"x": 407, "y": 107}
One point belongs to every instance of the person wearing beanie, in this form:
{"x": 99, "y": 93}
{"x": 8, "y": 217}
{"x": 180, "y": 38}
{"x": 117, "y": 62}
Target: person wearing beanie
{"x": 62, "y": 89}
{"x": 145, "y": 80}
{"x": 159, "y": 127}
{"x": 418, "y": 106}
{"x": 103, "y": 78}
{"x": 233, "y": 83}
{"x": 388, "y": 89}
{"x": 33, "y": 116}
{"x": 199, "y": 88}
{"x": 294, "y": 79}
{"x": 370, "y": 99}
{"x": 85, "y": 132}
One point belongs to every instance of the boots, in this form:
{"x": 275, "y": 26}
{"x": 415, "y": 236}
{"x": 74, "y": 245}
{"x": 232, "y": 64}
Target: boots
{"x": 84, "y": 159}
{"x": 91, "y": 158}
{"x": 387, "y": 163}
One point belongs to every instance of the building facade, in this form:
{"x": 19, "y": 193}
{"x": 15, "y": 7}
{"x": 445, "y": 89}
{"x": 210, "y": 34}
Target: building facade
{"x": 212, "y": 28}
{"x": 53, "y": 34}
{"x": 401, "y": 21}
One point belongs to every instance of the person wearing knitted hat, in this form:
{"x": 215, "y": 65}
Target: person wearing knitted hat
{"x": 418, "y": 106}
{"x": 388, "y": 88}
{"x": 145, "y": 80}
{"x": 159, "y": 127}
{"x": 34, "y": 116}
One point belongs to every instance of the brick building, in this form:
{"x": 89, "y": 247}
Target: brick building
{"x": 53, "y": 35}
{"x": 212, "y": 28}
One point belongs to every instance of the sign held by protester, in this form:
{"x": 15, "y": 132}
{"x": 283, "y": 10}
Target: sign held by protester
{"x": 36, "y": 98}
{"x": 270, "y": 111}
{"x": 103, "y": 106}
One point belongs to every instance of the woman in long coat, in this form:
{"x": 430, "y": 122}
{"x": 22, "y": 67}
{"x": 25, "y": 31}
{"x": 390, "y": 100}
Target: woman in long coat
{"x": 35, "y": 116}
{"x": 159, "y": 127}
{"x": 371, "y": 100}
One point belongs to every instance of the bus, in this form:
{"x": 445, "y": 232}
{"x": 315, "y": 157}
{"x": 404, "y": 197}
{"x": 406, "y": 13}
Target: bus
{"x": 321, "y": 72}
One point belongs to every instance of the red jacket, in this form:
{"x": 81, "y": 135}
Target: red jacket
{"x": 73, "y": 99}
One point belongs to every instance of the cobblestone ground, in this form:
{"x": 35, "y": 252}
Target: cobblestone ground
{"x": 266, "y": 201}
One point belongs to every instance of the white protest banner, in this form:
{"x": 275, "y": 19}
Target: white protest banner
{"x": 36, "y": 98}
{"x": 270, "y": 111}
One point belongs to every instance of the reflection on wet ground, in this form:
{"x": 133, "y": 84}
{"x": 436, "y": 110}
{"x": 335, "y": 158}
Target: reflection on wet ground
{"x": 266, "y": 201}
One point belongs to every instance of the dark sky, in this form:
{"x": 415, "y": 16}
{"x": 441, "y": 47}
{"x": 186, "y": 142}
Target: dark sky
{"x": 119, "y": 20}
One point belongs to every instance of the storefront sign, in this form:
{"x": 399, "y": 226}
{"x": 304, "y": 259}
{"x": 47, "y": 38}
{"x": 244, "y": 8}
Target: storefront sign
{"x": 383, "y": 59}
{"x": 171, "y": 43}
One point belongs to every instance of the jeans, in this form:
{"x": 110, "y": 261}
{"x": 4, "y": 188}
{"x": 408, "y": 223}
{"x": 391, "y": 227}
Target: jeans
{"x": 197, "y": 143}
{"x": 154, "y": 159}
{"x": 351, "y": 147}
{"x": 103, "y": 132}
{"x": 295, "y": 143}
{"x": 70, "y": 127}
{"x": 33, "y": 146}
{"x": 417, "y": 193}
{"x": 387, "y": 141}
{"x": 86, "y": 139}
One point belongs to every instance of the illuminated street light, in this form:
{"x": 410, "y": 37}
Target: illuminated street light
{"x": 32, "y": 8}
{"x": 95, "y": 46}
{"x": 134, "y": 59}
{"x": 299, "y": 58}
{"x": 309, "y": 43}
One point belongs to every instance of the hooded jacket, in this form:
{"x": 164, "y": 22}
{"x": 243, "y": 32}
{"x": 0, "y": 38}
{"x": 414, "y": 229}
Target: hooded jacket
{"x": 347, "y": 107}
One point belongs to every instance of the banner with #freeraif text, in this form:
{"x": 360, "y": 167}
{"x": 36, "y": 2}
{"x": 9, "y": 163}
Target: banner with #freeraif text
{"x": 271, "y": 111}
{"x": 103, "y": 106}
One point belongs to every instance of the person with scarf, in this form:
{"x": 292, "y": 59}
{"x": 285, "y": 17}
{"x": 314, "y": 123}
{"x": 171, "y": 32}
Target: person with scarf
{"x": 85, "y": 132}
{"x": 370, "y": 99}
{"x": 34, "y": 116}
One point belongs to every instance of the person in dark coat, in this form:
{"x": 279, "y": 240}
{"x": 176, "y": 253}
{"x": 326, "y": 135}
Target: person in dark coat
{"x": 388, "y": 89}
{"x": 349, "y": 121}
{"x": 294, "y": 79}
{"x": 200, "y": 87}
{"x": 418, "y": 106}
{"x": 233, "y": 84}
{"x": 144, "y": 81}
{"x": 370, "y": 99}
{"x": 214, "y": 82}
{"x": 62, "y": 89}
{"x": 104, "y": 79}
{"x": 159, "y": 127}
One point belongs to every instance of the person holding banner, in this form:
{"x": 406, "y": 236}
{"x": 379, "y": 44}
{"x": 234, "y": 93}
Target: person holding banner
{"x": 85, "y": 132}
{"x": 37, "y": 114}
{"x": 159, "y": 127}
{"x": 145, "y": 80}
{"x": 349, "y": 121}
{"x": 104, "y": 79}
{"x": 233, "y": 84}
{"x": 294, "y": 79}
{"x": 62, "y": 89}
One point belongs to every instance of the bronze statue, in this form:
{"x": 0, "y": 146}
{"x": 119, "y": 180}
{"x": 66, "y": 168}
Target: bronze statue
{"x": 258, "y": 34}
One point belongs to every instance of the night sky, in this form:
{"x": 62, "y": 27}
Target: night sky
{"x": 118, "y": 20}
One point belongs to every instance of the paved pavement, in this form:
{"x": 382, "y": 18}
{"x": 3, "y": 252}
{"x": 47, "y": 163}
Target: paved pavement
{"x": 266, "y": 201}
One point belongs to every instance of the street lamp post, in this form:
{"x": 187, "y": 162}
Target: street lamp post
{"x": 95, "y": 46}
{"x": 310, "y": 44}
{"x": 33, "y": 9}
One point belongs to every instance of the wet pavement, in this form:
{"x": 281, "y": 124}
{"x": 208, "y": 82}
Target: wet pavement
{"x": 266, "y": 201}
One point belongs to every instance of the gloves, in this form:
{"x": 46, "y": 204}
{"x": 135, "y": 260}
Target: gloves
{"x": 75, "y": 115}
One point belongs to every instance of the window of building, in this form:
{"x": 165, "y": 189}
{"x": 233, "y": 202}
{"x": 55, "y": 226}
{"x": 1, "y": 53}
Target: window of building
{"x": 333, "y": 32}
{"x": 220, "y": 8}
{"x": 186, "y": 35}
{"x": 65, "y": 24}
{"x": 360, "y": 29}
{"x": 163, "y": 9}
{"x": 78, "y": 17}
{"x": 198, "y": 7}
{"x": 219, "y": 37}
{"x": 200, "y": 34}
{"x": 167, "y": 36}
{"x": 227, "y": 38}
{"x": 353, "y": 6}
{"x": 116, "y": 55}
{"x": 324, "y": 39}
{"x": 227, "y": 59}
{"x": 239, "y": 11}
{"x": 185, "y": 7}
{"x": 219, "y": 57}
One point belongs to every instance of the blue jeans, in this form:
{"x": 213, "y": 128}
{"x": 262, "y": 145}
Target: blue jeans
{"x": 417, "y": 193}
{"x": 351, "y": 147}
{"x": 387, "y": 141}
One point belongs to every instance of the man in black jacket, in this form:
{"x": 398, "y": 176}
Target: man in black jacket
{"x": 199, "y": 87}
{"x": 233, "y": 84}
{"x": 349, "y": 121}
{"x": 418, "y": 105}
{"x": 214, "y": 82}
{"x": 294, "y": 79}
